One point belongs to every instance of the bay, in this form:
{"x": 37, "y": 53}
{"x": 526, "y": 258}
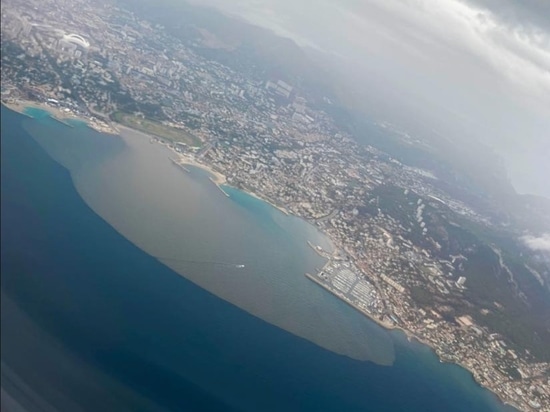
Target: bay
{"x": 192, "y": 227}
{"x": 91, "y": 322}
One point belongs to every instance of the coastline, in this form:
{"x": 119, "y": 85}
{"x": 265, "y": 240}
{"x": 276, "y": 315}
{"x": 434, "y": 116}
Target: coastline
{"x": 19, "y": 106}
{"x": 216, "y": 177}
{"x": 114, "y": 128}
{"x": 408, "y": 334}
{"x": 219, "y": 179}
{"x": 279, "y": 208}
{"x": 60, "y": 115}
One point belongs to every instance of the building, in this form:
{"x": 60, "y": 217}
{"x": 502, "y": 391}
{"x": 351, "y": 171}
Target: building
{"x": 280, "y": 88}
{"x": 74, "y": 45}
{"x": 460, "y": 282}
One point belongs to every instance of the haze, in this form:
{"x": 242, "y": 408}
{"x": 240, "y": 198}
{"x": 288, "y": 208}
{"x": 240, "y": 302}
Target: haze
{"x": 468, "y": 70}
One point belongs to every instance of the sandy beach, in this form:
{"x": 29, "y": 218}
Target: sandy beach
{"x": 217, "y": 177}
{"x": 20, "y": 106}
{"x": 116, "y": 128}
{"x": 60, "y": 114}
{"x": 281, "y": 209}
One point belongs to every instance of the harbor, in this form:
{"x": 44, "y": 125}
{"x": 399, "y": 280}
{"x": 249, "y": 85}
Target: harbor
{"x": 345, "y": 282}
{"x": 337, "y": 294}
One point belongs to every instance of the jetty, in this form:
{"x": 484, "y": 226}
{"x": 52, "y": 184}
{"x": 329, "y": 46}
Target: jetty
{"x": 319, "y": 250}
{"x": 178, "y": 164}
{"x": 218, "y": 186}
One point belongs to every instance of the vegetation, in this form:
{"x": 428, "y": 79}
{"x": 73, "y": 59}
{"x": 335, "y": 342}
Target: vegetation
{"x": 515, "y": 305}
{"x": 421, "y": 296}
{"x": 156, "y": 129}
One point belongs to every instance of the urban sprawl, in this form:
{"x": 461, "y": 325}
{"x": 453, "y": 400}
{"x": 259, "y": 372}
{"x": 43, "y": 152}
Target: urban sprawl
{"x": 102, "y": 63}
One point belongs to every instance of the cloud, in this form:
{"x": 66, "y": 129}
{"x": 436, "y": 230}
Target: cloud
{"x": 513, "y": 48}
{"x": 538, "y": 244}
{"x": 511, "y": 37}
{"x": 518, "y": 12}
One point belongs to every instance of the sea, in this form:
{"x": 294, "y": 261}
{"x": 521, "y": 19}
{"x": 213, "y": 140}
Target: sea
{"x": 129, "y": 284}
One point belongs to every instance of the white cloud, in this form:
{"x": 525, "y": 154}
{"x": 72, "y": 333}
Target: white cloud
{"x": 518, "y": 52}
{"x": 539, "y": 244}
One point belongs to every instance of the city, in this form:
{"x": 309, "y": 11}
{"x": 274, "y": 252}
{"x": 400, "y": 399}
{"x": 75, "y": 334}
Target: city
{"x": 393, "y": 226}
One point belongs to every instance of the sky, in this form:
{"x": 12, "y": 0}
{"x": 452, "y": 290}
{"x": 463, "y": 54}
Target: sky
{"x": 470, "y": 69}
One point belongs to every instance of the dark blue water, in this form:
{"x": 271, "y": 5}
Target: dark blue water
{"x": 92, "y": 323}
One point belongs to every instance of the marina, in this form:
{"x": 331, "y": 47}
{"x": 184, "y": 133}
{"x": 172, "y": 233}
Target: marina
{"x": 346, "y": 283}
{"x": 335, "y": 293}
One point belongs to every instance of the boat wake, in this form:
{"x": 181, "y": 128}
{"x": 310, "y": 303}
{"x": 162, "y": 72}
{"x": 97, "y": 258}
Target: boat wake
{"x": 200, "y": 262}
